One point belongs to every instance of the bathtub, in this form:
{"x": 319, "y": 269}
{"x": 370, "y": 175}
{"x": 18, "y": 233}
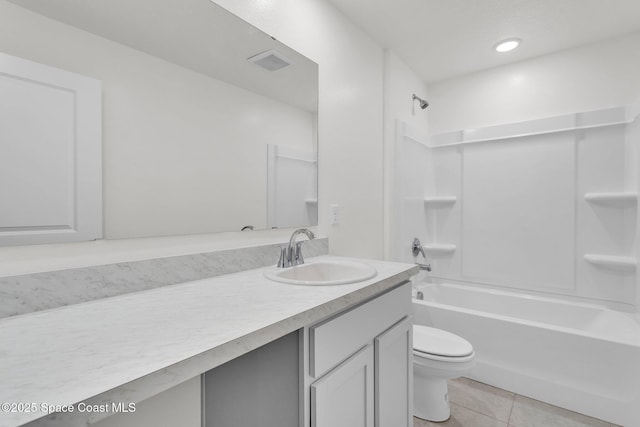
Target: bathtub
{"x": 582, "y": 357}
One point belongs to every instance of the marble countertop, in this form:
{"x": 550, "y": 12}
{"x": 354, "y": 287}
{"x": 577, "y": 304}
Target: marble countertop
{"x": 130, "y": 347}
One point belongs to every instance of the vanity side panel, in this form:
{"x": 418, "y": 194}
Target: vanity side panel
{"x": 260, "y": 388}
{"x": 178, "y": 406}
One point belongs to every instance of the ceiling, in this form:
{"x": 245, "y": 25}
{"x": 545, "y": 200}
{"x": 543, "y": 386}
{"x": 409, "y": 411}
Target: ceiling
{"x": 195, "y": 34}
{"x": 441, "y": 39}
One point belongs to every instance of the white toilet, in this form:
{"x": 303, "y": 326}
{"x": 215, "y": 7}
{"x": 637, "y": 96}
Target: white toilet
{"x": 437, "y": 356}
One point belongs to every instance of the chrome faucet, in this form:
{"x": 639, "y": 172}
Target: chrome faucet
{"x": 290, "y": 256}
{"x": 417, "y": 249}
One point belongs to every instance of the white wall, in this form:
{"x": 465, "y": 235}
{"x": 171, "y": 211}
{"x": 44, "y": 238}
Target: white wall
{"x": 179, "y": 148}
{"x": 588, "y": 78}
{"x": 400, "y": 83}
{"x": 350, "y": 113}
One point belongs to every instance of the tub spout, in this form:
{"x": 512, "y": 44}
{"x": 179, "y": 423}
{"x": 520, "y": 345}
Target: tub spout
{"x": 426, "y": 267}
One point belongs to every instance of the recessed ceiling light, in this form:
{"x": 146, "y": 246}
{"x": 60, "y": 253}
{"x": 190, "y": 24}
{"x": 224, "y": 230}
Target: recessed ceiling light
{"x": 506, "y": 45}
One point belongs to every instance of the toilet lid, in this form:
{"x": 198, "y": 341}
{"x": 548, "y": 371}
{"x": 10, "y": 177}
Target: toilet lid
{"x": 440, "y": 343}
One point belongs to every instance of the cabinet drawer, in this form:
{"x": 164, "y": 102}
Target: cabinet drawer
{"x": 335, "y": 339}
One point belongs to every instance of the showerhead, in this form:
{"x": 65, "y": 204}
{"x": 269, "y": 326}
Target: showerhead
{"x": 423, "y": 104}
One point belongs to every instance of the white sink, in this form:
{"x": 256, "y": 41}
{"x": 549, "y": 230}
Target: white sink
{"x": 322, "y": 273}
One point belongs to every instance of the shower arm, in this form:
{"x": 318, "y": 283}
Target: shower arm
{"x": 421, "y": 102}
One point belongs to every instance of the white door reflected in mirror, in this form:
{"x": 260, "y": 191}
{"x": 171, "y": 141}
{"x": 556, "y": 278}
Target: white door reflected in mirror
{"x": 186, "y": 117}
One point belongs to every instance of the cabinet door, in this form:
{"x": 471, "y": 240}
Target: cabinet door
{"x": 344, "y": 396}
{"x": 394, "y": 376}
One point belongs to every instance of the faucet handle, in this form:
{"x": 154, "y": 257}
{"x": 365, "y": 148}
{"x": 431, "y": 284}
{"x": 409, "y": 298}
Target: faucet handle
{"x": 284, "y": 259}
{"x": 299, "y": 259}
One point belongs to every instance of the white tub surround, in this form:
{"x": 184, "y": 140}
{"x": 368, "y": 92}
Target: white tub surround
{"x": 130, "y": 347}
{"x": 94, "y": 270}
{"x": 547, "y": 205}
{"x": 578, "y": 356}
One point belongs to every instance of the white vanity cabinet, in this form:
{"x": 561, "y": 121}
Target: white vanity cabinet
{"x": 359, "y": 365}
{"x": 352, "y": 369}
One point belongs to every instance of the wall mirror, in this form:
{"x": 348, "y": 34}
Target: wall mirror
{"x": 207, "y": 123}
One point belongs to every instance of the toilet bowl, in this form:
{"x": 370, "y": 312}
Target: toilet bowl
{"x": 437, "y": 357}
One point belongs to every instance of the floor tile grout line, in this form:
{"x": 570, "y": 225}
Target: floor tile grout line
{"x": 564, "y": 410}
{"x": 513, "y": 403}
{"x": 509, "y": 423}
{"x": 513, "y": 395}
{"x": 480, "y": 413}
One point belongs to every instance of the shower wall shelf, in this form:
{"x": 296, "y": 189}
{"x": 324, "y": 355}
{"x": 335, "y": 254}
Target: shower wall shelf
{"x": 440, "y": 200}
{"x": 611, "y": 261}
{"x": 563, "y": 123}
{"x": 311, "y": 201}
{"x": 613, "y": 198}
{"x": 439, "y": 248}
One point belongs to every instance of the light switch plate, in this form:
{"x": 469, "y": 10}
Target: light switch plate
{"x": 334, "y": 214}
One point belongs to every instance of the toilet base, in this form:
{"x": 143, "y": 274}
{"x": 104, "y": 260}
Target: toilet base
{"x": 431, "y": 399}
{"x": 432, "y": 370}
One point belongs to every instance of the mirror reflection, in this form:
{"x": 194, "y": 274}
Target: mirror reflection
{"x": 208, "y": 124}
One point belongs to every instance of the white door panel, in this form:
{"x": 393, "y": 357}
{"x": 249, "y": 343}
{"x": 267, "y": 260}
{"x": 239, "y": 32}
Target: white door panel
{"x": 50, "y": 162}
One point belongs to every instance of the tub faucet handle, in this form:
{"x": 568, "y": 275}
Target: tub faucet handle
{"x": 416, "y": 248}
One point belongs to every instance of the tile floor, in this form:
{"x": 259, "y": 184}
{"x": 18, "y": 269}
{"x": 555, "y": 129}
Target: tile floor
{"x": 474, "y": 404}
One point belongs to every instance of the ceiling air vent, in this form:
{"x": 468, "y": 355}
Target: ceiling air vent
{"x": 271, "y": 60}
